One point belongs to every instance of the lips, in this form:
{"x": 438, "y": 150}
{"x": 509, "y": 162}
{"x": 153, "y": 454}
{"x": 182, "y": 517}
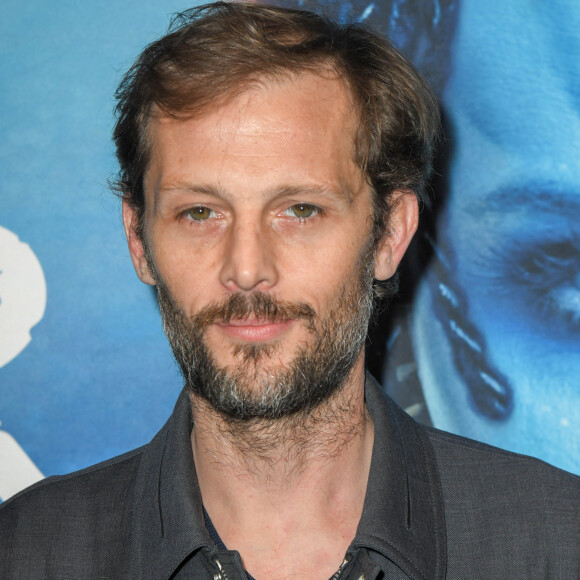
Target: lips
{"x": 254, "y": 329}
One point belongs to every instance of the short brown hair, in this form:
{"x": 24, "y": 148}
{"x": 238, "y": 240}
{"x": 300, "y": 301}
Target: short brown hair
{"x": 213, "y": 52}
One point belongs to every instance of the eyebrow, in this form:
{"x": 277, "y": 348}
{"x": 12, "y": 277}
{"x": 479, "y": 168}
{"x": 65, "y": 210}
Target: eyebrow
{"x": 298, "y": 190}
{"x": 184, "y": 186}
{"x": 273, "y": 193}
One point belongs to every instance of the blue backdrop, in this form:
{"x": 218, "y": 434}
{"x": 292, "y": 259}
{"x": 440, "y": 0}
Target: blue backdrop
{"x": 97, "y": 378}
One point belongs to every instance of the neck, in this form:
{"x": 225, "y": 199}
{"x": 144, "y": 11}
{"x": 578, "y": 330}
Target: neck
{"x": 281, "y": 482}
{"x": 277, "y": 452}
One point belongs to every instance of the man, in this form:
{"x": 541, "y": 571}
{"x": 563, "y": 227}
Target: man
{"x": 270, "y": 168}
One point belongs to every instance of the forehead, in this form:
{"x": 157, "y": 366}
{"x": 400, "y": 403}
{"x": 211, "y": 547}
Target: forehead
{"x": 303, "y": 122}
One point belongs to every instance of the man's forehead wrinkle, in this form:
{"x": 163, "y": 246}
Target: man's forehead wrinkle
{"x": 234, "y": 137}
{"x": 319, "y": 93}
{"x": 240, "y": 124}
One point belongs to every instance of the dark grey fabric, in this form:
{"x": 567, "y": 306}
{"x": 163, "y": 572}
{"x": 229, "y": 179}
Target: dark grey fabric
{"x": 437, "y": 506}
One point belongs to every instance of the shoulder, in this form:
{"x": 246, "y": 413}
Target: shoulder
{"x": 97, "y": 482}
{"x": 477, "y": 462}
{"x": 69, "y": 514}
{"x": 509, "y": 510}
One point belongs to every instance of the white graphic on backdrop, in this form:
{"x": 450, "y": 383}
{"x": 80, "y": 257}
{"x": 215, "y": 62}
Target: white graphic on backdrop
{"x": 16, "y": 469}
{"x": 22, "y": 305}
{"x": 22, "y": 295}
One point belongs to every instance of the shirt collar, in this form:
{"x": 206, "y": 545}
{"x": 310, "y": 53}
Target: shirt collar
{"x": 403, "y": 513}
{"x": 402, "y": 519}
{"x": 169, "y": 510}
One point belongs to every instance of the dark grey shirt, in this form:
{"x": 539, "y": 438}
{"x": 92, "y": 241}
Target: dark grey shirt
{"x": 437, "y": 506}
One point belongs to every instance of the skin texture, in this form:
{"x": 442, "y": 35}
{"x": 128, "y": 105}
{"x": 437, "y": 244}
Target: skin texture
{"x": 286, "y": 211}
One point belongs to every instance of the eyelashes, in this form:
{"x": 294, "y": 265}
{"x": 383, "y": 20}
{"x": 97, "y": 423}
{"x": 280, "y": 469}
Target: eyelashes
{"x": 298, "y": 211}
{"x": 548, "y": 273}
{"x": 302, "y": 211}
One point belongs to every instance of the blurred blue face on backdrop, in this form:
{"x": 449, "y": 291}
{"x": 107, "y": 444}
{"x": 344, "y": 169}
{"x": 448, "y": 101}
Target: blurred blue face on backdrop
{"x": 500, "y": 360}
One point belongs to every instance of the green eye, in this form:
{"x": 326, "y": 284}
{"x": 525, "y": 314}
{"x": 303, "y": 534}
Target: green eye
{"x": 302, "y": 210}
{"x": 200, "y": 213}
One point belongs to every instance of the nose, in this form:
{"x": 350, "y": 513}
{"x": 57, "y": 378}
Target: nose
{"x": 248, "y": 259}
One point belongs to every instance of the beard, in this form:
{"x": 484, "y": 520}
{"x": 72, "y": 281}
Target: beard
{"x": 255, "y": 388}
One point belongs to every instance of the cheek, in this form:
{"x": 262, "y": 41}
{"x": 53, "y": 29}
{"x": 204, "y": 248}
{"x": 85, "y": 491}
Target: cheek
{"x": 188, "y": 274}
{"x": 323, "y": 275}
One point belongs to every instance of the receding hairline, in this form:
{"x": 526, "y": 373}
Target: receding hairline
{"x": 322, "y": 67}
{"x": 353, "y": 112}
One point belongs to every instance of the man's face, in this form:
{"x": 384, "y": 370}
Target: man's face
{"x": 259, "y": 206}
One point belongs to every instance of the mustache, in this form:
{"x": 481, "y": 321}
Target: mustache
{"x": 259, "y": 305}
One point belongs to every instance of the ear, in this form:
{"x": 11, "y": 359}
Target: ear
{"x": 403, "y": 222}
{"x": 135, "y": 243}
